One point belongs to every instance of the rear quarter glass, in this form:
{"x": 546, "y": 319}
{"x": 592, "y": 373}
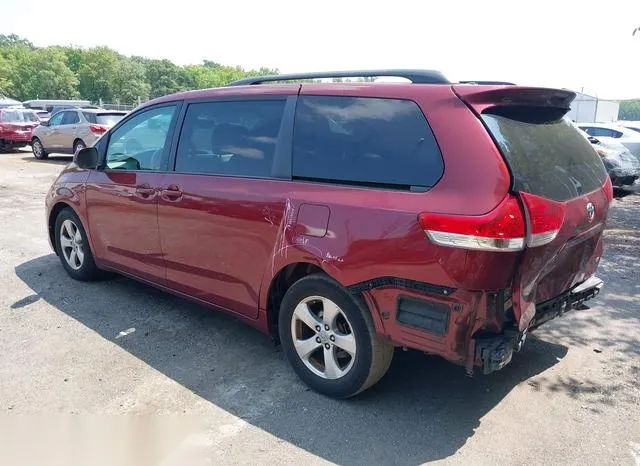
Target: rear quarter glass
{"x": 548, "y": 158}
{"x": 365, "y": 141}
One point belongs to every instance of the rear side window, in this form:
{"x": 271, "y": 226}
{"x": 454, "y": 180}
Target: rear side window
{"x": 70, "y": 118}
{"x": 364, "y": 141}
{"x": 232, "y": 138}
{"x": 549, "y": 158}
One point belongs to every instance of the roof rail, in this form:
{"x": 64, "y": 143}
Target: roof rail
{"x": 489, "y": 83}
{"x": 415, "y": 76}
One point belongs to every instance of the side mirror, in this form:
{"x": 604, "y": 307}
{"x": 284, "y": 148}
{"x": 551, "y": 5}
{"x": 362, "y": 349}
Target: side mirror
{"x": 87, "y": 158}
{"x": 593, "y": 140}
{"x": 44, "y": 123}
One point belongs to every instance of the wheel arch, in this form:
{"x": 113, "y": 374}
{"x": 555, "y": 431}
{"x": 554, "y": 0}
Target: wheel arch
{"x": 280, "y": 283}
{"x": 51, "y": 221}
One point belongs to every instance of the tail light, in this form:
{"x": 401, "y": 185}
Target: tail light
{"x": 99, "y": 129}
{"x": 546, "y": 218}
{"x": 502, "y": 229}
{"x": 608, "y": 189}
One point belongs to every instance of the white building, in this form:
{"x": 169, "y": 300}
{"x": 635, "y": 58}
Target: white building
{"x": 589, "y": 109}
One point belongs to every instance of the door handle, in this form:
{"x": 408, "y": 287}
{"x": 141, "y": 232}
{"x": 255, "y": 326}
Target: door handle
{"x": 172, "y": 193}
{"x": 144, "y": 190}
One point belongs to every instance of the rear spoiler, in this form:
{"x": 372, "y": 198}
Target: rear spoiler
{"x": 481, "y": 98}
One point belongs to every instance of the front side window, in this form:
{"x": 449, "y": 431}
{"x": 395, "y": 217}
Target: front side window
{"x": 141, "y": 142}
{"x": 364, "y": 141}
{"x": 232, "y": 138}
{"x": 56, "y": 119}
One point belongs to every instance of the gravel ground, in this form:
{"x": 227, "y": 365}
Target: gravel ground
{"x": 88, "y": 369}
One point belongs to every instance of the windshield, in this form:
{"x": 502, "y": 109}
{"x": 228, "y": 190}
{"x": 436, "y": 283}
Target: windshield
{"x": 19, "y": 116}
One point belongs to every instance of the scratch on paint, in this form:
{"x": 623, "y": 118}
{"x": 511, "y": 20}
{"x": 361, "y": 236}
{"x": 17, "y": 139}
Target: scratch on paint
{"x": 281, "y": 239}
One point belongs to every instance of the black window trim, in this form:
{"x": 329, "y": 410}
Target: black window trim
{"x": 283, "y": 150}
{"x": 168, "y": 145}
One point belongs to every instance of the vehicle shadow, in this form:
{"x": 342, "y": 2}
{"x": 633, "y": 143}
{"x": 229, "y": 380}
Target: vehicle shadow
{"x": 53, "y": 159}
{"x": 423, "y": 410}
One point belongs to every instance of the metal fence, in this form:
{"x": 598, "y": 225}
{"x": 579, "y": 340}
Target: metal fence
{"x": 118, "y": 106}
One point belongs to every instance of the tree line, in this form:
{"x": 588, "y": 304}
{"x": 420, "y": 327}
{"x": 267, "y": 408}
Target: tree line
{"x": 29, "y": 72}
{"x": 629, "y": 110}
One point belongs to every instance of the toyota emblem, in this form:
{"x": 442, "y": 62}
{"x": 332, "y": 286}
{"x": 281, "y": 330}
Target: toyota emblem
{"x": 591, "y": 211}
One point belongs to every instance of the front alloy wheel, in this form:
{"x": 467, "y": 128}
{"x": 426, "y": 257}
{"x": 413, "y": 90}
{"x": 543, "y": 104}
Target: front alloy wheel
{"x": 71, "y": 244}
{"x": 73, "y": 247}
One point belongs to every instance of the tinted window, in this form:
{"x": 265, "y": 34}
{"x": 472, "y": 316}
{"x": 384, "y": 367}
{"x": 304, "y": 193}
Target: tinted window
{"x": 107, "y": 119}
{"x": 140, "y": 143}
{"x": 70, "y": 118}
{"x": 602, "y": 132}
{"x": 56, "y": 119}
{"x": 19, "y": 116}
{"x": 368, "y": 141}
{"x": 230, "y": 138}
{"x": 548, "y": 158}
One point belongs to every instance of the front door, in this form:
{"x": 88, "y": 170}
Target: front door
{"x": 50, "y": 133}
{"x": 122, "y": 196}
{"x": 68, "y": 130}
{"x": 220, "y": 211}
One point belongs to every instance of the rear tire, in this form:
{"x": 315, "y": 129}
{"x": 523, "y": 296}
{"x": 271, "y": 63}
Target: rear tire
{"x": 38, "y": 149}
{"x": 346, "y": 356}
{"x": 73, "y": 247}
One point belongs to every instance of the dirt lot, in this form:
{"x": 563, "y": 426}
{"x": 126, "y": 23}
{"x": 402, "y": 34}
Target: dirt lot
{"x": 118, "y": 347}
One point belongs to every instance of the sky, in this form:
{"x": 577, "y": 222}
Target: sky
{"x": 571, "y": 44}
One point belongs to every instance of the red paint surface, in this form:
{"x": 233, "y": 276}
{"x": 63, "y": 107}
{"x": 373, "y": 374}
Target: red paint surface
{"x": 223, "y": 239}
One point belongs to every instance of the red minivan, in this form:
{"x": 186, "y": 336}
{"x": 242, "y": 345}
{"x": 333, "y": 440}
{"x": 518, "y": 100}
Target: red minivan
{"x": 346, "y": 219}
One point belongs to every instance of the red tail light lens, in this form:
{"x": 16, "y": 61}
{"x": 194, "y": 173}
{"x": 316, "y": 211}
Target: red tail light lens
{"x": 502, "y": 229}
{"x": 546, "y": 218}
{"x": 608, "y": 189}
{"x": 98, "y": 129}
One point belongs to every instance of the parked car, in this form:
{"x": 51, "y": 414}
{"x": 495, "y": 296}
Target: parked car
{"x": 16, "y": 126}
{"x": 323, "y": 215}
{"x": 43, "y": 115}
{"x": 632, "y": 125}
{"x": 623, "y": 167}
{"x": 612, "y": 131}
{"x": 70, "y": 130}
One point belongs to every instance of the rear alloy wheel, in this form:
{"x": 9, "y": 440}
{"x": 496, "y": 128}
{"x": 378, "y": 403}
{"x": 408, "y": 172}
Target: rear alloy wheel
{"x": 38, "y": 149}
{"x": 73, "y": 248}
{"x": 329, "y": 339}
{"x": 78, "y": 146}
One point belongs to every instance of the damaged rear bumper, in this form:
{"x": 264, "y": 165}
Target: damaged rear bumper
{"x": 494, "y": 352}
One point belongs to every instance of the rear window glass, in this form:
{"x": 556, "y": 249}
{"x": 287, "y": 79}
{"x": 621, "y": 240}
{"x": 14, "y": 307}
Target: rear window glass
{"x": 364, "y": 141}
{"x": 17, "y": 116}
{"x": 548, "y": 158}
{"x": 107, "y": 119}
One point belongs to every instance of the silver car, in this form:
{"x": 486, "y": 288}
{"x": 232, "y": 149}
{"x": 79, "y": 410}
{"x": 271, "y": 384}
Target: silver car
{"x": 72, "y": 129}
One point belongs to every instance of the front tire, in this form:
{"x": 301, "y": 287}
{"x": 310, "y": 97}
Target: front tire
{"x": 78, "y": 145}
{"x": 330, "y": 340}
{"x": 38, "y": 149}
{"x": 73, "y": 247}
